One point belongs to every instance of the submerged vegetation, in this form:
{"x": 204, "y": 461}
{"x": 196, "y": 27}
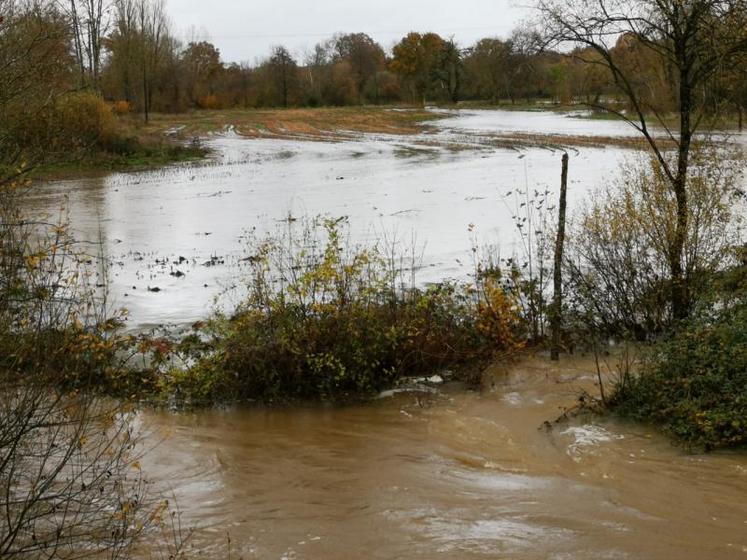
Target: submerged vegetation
{"x": 656, "y": 258}
{"x": 323, "y": 319}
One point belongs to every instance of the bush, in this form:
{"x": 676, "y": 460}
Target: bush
{"x": 83, "y": 120}
{"x": 68, "y": 124}
{"x": 209, "y": 102}
{"x": 121, "y": 107}
{"x": 695, "y": 383}
{"x": 617, "y": 264}
{"x": 321, "y": 321}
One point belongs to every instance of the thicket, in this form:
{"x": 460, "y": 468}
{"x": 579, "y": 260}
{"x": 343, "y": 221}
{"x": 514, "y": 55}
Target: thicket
{"x": 691, "y": 377}
{"x": 323, "y": 319}
{"x": 694, "y": 383}
{"x": 127, "y": 50}
{"x": 617, "y": 269}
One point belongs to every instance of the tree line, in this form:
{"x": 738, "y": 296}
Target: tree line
{"x": 128, "y": 52}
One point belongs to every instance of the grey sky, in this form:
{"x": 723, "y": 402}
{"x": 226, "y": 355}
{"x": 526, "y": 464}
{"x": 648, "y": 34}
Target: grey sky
{"x": 244, "y": 30}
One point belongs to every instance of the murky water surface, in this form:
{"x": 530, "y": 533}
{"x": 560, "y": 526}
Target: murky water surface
{"x": 458, "y": 475}
{"x": 452, "y": 475}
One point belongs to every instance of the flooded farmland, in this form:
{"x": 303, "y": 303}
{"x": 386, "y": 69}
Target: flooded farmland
{"x": 448, "y": 474}
{"x": 182, "y": 229}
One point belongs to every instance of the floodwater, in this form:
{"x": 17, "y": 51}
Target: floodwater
{"x": 442, "y": 192}
{"x": 451, "y": 474}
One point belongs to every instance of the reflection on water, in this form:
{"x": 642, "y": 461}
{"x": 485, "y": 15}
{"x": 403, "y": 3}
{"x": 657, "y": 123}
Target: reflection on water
{"x": 462, "y": 475}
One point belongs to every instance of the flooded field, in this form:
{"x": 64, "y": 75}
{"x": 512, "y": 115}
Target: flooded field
{"x": 428, "y": 190}
{"x": 447, "y": 474}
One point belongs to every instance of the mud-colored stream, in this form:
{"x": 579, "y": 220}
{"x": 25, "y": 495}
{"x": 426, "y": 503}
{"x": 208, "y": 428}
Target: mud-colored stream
{"x": 456, "y": 475}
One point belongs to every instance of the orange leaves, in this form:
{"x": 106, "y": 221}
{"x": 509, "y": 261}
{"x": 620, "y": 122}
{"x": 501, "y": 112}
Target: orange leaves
{"x": 121, "y": 107}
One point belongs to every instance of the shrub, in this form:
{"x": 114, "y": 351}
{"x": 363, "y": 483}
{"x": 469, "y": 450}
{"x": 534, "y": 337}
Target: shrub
{"x": 83, "y": 120}
{"x": 209, "y": 102}
{"x": 70, "y": 123}
{"x": 618, "y": 252}
{"x": 323, "y": 321}
{"x": 695, "y": 382}
{"x": 121, "y": 107}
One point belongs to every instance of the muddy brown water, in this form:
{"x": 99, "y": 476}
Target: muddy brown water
{"x": 456, "y": 474}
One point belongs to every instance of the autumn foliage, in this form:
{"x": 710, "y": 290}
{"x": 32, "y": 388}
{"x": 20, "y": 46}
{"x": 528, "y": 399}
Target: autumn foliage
{"x": 322, "y": 320}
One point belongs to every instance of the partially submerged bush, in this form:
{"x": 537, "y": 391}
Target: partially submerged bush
{"x": 323, "y": 321}
{"x": 695, "y": 383}
{"x": 618, "y": 256}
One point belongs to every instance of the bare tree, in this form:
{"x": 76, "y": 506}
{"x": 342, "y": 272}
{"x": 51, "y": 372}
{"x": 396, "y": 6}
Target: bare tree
{"x": 90, "y": 22}
{"x": 691, "y": 40}
{"x": 70, "y": 481}
{"x": 139, "y": 44}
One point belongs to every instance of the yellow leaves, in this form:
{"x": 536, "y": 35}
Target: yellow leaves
{"x": 33, "y": 261}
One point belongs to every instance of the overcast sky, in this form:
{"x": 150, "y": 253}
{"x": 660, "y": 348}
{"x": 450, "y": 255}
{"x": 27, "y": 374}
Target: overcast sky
{"x": 243, "y": 30}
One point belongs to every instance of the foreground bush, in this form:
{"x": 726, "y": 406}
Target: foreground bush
{"x": 695, "y": 383}
{"x": 321, "y": 321}
{"x": 70, "y": 479}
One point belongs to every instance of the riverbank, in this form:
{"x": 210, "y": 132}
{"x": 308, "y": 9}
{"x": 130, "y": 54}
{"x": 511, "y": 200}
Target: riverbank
{"x": 142, "y": 154}
{"x": 323, "y": 123}
{"x": 175, "y": 138}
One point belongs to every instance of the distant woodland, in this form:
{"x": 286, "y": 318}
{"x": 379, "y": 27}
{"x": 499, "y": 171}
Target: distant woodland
{"x": 127, "y": 52}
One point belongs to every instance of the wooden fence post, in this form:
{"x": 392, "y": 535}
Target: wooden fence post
{"x": 556, "y": 315}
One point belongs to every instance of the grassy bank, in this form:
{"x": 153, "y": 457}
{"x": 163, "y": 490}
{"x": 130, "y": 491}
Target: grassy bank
{"x": 130, "y": 144}
{"x": 139, "y": 154}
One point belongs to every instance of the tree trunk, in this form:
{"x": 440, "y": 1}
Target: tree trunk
{"x": 679, "y": 294}
{"x": 145, "y": 93}
{"x": 556, "y": 317}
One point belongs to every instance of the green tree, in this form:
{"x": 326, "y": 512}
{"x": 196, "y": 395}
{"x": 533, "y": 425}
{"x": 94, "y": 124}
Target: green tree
{"x": 202, "y": 68}
{"x": 283, "y": 72}
{"x": 365, "y": 58}
{"x": 488, "y": 65}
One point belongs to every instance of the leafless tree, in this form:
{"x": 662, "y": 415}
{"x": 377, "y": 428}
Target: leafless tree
{"x": 90, "y": 22}
{"x": 71, "y": 485}
{"x": 691, "y": 39}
